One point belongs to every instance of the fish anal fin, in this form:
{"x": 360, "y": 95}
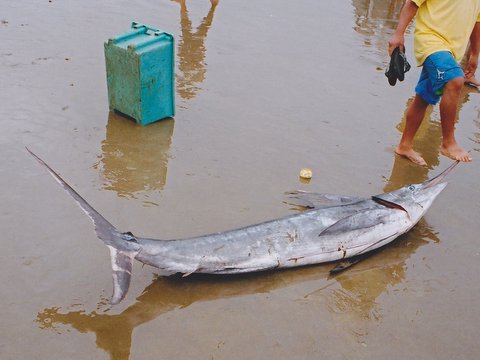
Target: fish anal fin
{"x": 343, "y": 265}
{"x": 122, "y": 262}
{"x": 188, "y": 273}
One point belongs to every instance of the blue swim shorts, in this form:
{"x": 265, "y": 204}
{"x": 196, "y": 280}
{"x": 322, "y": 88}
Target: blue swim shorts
{"x": 438, "y": 69}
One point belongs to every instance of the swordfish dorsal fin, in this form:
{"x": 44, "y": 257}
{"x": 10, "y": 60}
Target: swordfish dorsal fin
{"x": 123, "y": 246}
{"x": 313, "y": 200}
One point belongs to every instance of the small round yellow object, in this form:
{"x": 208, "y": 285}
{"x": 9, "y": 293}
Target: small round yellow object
{"x": 306, "y": 173}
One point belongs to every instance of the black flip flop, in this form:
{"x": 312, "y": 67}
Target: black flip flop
{"x": 390, "y": 73}
{"x": 398, "y": 67}
{"x": 401, "y": 64}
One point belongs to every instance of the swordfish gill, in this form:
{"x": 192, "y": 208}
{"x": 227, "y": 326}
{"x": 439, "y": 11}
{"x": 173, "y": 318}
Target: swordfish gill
{"x": 345, "y": 228}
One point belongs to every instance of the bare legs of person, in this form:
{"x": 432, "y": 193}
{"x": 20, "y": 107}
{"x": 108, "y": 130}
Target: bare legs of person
{"x": 414, "y": 117}
{"x": 448, "y": 114}
{"x": 470, "y": 78}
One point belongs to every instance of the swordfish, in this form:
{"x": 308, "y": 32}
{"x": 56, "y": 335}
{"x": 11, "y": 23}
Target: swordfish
{"x": 347, "y": 228}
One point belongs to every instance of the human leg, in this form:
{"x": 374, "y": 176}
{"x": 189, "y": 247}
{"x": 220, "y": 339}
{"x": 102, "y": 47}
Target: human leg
{"x": 443, "y": 77}
{"x": 414, "y": 117}
{"x": 470, "y": 78}
{"x": 448, "y": 115}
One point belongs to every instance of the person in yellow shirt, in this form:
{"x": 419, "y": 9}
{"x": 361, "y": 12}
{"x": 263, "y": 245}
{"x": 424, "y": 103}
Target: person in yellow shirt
{"x": 443, "y": 30}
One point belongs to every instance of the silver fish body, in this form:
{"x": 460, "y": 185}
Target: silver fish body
{"x": 345, "y": 228}
{"x": 310, "y": 237}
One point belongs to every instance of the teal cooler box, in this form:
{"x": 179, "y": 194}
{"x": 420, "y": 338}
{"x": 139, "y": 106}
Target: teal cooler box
{"x": 140, "y": 75}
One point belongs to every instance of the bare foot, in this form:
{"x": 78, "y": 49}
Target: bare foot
{"x": 472, "y": 81}
{"x": 455, "y": 152}
{"x": 411, "y": 155}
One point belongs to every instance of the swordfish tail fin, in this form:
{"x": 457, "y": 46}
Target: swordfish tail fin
{"x": 123, "y": 246}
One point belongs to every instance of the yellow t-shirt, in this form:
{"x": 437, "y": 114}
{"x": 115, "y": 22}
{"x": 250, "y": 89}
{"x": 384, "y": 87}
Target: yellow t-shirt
{"x": 444, "y": 25}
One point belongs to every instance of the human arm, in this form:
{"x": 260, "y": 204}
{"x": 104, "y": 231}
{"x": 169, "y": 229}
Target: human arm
{"x": 473, "y": 52}
{"x": 407, "y": 14}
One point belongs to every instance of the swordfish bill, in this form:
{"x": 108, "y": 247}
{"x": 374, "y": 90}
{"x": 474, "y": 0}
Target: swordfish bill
{"x": 341, "y": 228}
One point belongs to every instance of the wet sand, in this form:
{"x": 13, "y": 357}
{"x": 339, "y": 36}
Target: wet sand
{"x": 263, "y": 89}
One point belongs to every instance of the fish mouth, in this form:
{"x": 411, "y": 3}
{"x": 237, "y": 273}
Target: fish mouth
{"x": 437, "y": 179}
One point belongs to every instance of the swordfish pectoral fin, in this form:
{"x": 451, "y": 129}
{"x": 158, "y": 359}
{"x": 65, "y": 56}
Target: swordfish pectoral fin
{"x": 360, "y": 221}
{"x": 121, "y": 271}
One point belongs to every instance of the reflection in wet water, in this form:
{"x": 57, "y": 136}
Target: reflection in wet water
{"x": 126, "y": 160}
{"x": 135, "y": 158}
{"x": 369, "y": 279}
{"x": 376, "y": 20}
{"x": 191, "y": 51}
{"x": 164, "y": 294}
{"x": 476, "y": 138}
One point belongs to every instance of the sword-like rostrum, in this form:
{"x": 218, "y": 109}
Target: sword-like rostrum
{"x": 341, "y": 227}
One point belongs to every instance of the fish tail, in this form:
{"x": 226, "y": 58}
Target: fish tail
{"x": 123, "y": 246}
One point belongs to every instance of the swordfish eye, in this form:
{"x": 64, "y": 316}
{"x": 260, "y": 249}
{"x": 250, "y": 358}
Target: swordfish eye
{"x": 411, "y": 187}
{"x": 129, "y": 236}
